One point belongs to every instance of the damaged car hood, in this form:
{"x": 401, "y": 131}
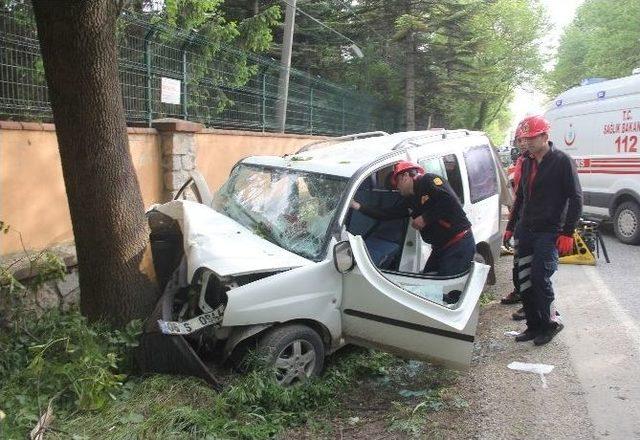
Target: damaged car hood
{"x": 215, "y": 241}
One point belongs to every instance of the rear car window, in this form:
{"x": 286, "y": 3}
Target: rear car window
{"x": 481, "y": 172}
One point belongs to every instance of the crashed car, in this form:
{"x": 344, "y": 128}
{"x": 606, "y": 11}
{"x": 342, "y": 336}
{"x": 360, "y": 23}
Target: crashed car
{"x": 276, "y": 261}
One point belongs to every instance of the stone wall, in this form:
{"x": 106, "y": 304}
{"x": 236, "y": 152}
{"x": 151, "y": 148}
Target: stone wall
{"x": 61, "y": 294}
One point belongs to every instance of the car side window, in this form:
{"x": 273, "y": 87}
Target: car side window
{"x": 483, "y": 182}
{"x": 454, "y": 177}
{"x": 446, "y": 167}
{"x": 434, "y": 166}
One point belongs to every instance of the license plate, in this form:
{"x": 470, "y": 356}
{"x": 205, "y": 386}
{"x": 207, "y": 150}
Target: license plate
{"x": 192, "y": 325}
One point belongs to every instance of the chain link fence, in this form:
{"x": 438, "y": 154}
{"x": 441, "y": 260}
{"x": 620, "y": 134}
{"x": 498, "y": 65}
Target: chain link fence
{"x": 166, "y": 72}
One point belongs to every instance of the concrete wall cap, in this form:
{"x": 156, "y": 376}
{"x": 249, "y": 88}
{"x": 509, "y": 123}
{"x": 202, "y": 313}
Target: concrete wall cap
{"x": 222, "y": 131}
{"x": 176, "y": 125}
{"x": 47, "y": 126}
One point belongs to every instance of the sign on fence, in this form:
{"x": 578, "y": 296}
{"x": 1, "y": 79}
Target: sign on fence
{"x": 170, "y": 90}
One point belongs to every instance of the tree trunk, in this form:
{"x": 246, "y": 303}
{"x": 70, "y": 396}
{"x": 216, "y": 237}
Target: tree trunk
{"x": 410, "y": 83}
{"x": 78, "y": 45}
{"x": 482, "y": 115}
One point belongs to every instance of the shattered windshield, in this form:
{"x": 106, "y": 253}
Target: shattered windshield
{"x": 290, "y": 208}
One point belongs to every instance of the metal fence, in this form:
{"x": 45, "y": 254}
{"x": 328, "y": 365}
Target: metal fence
{"x": 166, "y": 72}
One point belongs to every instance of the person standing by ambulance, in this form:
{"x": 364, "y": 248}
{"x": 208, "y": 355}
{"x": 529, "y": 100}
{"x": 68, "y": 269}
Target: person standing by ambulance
{"x": 514, "y": 297}
{"x": 549, "y": 185}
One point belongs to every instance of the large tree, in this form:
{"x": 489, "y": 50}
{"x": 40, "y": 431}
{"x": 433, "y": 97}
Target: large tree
{"x": 602, "y": 41}
{"x": 78, "y": 45}
{"x": 448, "y": 63}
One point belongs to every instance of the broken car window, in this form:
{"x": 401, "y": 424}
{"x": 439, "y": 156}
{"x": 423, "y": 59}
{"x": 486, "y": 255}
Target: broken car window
{"x": 290, "y": 208}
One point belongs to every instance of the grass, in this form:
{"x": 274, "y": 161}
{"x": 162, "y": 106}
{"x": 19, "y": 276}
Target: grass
{"x": 252, "y": 406}
{"x": 84, "y": 368}
{"x": 487, "y": 297}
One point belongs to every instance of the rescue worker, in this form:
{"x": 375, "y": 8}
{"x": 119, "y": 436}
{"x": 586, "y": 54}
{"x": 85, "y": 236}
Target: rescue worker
{"x": 514, "y": 296}
{"x": 548, "y": 185}
{"x": 436, "y": 212}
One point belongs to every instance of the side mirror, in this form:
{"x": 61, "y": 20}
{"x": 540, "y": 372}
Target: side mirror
{"x": 343, "y": 257}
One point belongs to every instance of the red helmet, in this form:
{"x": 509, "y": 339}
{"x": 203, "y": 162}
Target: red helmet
{"x": 402, "y": 167}
{"x": 533, "y": 126}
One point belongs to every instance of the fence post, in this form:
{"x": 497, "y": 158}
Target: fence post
{"x": 264, "y": 101}
{"x": 183, "y": 49}
{"x": 311, "y": 109}
{"x": 147, "y": 59}
{"x": 184, "y": 84}
{"x": 343, "y": 132}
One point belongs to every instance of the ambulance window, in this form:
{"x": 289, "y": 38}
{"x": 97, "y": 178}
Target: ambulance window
{"x": 483, "y": 182}
{"x": 452, "y": 169}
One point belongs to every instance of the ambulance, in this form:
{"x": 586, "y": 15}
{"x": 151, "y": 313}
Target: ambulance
{"x": 598, "y": 125}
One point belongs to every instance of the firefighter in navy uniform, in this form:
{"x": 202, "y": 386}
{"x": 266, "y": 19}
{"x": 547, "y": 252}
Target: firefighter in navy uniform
{"x": 549, "y": 185}
{"x": 436, "y": 212}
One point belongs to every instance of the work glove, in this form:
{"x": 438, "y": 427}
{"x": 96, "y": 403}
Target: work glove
{"x": 506, "y": 238}
{"x": 564, "y": 244}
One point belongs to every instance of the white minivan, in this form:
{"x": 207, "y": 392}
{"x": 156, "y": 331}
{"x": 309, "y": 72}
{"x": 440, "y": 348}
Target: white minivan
{"x": 599, "y": 125}
{"x": 277, "y": 261}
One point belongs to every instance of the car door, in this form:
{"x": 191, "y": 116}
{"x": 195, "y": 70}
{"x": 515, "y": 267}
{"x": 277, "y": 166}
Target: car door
{"x": 195, "y": 189}
{"x": 401, "y": 312}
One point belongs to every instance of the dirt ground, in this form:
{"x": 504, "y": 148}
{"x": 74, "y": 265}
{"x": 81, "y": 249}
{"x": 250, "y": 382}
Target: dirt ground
{"x": 495, "y": 402}
{"x": 505, "y": 404}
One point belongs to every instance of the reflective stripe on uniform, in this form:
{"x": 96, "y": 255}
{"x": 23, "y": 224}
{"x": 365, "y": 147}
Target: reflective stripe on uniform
{"x": 524, "y": 273}
{"x": 525, "y": 260}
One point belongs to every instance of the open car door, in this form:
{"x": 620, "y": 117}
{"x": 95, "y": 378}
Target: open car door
{"x": 506, "y": 193}
{"x": 196, "y": 189}
{"x": 404, "y": 313}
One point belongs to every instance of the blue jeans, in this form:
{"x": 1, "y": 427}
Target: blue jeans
{"x": 454, "y": 259}
{"x": 537, "y": 260}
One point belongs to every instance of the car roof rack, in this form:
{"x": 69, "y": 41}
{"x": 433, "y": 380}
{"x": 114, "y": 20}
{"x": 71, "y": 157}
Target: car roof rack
{"x": 440, "y": 132}
{"x": 350, "y": 137}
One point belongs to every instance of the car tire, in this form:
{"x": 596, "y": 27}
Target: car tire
{"x": 295, "y": 352}
{"x": 626, "y": 223}
{"x": 491, "y": 277}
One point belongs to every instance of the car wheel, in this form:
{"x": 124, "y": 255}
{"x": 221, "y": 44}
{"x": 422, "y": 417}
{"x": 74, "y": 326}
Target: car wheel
{"x": 295, "y": 352}
{"x": 626, "y": 223}
{"x": 491, "y": 277}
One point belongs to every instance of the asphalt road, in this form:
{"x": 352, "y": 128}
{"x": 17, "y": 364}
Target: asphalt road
{"x": 600, "y": 307}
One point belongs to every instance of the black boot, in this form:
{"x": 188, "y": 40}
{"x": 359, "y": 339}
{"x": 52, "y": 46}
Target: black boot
{"x": 526, "y": 335}
{"x": 518, "y": 315}
{"x": 547, "y": 335}
{"x": 512, "y": 298}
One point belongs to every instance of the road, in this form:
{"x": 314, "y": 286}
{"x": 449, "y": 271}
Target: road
{"x": 601, "y": 309}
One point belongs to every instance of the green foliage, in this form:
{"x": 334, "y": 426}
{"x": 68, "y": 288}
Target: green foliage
{"x": 505, "y": 55}
{"x": 470, "y": 55}
{"x": 59, "y": 357}
{"x": 412, "y": 417}
{"x": 603, "y": 41}
{"x": 45, "y": 266}
{"x": 252, "y": 406}
{"x": 81, "y": 367}
{"x": 487, "y": 298}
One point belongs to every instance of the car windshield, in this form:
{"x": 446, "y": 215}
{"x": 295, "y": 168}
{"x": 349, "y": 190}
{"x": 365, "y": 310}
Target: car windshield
{"x": 290, "y": 208}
